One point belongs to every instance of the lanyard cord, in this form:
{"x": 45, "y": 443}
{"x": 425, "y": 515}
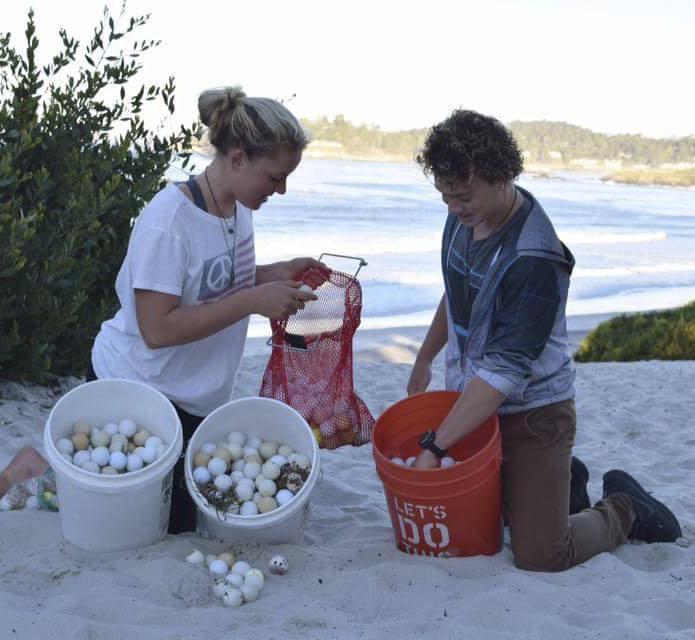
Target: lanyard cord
{"x": 225, "y": 225}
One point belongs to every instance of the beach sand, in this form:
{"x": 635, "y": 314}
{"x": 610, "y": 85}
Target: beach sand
{"x": 349, "y": 580}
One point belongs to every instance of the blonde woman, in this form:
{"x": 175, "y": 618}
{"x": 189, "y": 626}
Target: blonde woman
{"x": 190, "y": 281}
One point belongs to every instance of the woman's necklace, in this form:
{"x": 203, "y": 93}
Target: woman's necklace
{"x": 225, "y": 225}
{"x": 469, "y": 258}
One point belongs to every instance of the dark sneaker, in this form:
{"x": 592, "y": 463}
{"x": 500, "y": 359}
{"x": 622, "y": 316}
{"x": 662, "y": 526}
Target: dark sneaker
{"x": 654, "y": 521}
{"x": 579, "y": 498}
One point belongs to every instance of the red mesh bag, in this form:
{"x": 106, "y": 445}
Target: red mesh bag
{"x": 310, "y": 367}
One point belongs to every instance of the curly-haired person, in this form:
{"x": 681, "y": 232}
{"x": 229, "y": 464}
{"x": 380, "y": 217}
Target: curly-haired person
{"x": 502, "y": 320}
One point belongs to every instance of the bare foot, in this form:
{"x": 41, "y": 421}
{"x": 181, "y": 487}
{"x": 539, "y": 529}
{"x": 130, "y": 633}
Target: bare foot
{"x": 27, "y": 463}
{"x": 5, "y": 484}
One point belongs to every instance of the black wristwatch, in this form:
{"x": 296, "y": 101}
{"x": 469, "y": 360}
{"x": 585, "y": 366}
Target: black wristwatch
{"x": 427, "y": 442}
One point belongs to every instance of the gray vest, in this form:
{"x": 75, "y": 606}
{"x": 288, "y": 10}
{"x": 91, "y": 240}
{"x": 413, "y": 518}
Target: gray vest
{"x": 552, "y": 374}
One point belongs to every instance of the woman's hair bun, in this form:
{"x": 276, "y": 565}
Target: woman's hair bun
{"x": 215, "y": 102}
{"x": 256, "y": 125}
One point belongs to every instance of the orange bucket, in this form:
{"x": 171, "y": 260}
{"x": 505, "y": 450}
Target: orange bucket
{"x": 455, "y": 511}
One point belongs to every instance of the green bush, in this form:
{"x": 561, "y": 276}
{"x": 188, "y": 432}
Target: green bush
{"x": 77, "y": 164}
{"x": 660, "y": 335}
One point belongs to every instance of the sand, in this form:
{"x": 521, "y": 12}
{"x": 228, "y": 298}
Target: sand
{"x": 349, "y": 580}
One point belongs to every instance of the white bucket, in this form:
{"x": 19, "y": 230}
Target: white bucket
{"x": 266, "y": 419}
{"x": 111, "y": 513}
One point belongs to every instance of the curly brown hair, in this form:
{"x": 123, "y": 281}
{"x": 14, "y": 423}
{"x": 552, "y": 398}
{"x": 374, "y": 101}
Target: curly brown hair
{"x": 468, "y": 143}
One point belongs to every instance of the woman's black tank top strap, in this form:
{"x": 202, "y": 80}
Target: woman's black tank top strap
{"x": 196, "y": 192}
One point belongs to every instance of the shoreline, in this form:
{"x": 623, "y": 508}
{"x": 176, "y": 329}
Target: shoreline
{"x": 400, "y": 344}
{"x": 627, "y": 175}
{"x": 653, "y": 177}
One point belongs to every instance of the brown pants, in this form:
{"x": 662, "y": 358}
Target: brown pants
{"x": 536, "y": 457}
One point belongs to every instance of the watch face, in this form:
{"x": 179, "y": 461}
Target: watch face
{"x": 427, "y": 442}
{"x": 427, "y": 438}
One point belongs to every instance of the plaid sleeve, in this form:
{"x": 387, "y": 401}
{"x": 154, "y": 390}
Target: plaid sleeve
{"x": 528, "y": 304}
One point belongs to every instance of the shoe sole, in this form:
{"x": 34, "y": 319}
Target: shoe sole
{"x": 579, "y": 472}
{"x": 626, "y": 479}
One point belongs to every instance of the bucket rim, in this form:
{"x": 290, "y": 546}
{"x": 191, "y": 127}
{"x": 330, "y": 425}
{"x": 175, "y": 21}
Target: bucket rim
{"x": 444, "y": 474}
{"x": 260, "y": 519}
{"x": 407, "y": 481}
{"x": 113, "y": 483}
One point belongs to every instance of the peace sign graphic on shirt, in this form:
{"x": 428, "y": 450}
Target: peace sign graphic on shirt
{"x": 217, "y": 276}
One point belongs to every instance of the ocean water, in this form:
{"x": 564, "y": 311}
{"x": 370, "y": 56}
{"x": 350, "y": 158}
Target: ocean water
{"x": 634, "y": 245}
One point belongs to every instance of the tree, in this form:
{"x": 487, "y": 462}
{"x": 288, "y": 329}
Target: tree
{"x": 77, "y": 163}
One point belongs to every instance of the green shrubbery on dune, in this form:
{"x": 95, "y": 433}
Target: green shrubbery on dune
{"x": 77, "y": 163}
{"x": 658, "y": 335}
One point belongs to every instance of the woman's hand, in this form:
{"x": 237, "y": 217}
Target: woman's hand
{"x": 298, "y": 265}
{"x": 420, "y": 377}
{"x": 288, "y": 270}
{"x": 281, "y": 299}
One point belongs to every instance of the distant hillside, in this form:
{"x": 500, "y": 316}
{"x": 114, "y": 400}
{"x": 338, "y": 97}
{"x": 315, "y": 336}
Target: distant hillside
{"x": 552, "y": 144}
{"x": 547, "y": 147}
{"x": 362, "y": 140}
{"x": 544, "y": 141}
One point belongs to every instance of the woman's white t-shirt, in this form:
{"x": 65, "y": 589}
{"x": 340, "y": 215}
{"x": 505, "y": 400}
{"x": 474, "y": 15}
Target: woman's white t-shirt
{"x": 179, "y": 249}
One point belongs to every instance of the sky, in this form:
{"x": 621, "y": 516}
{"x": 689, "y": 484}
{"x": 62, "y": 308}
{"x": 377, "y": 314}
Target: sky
{"x": 614, "y": 66}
